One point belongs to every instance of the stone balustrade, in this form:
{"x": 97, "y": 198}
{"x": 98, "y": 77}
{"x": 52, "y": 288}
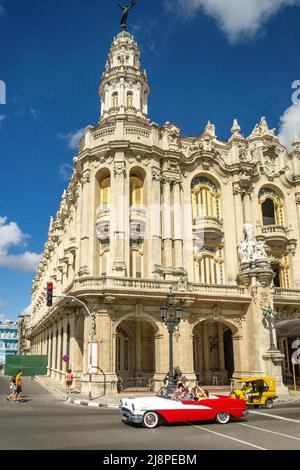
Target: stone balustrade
{"x": 273, "y": 228}
{"x": 282, "y": 292}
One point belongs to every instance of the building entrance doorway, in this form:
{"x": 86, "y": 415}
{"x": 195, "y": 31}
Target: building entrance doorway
{"x": 213, "y": 353}
{"x": 135, "y": 354}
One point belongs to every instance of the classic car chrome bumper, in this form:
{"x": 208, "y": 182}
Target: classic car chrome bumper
{"x": 129, "y": 416}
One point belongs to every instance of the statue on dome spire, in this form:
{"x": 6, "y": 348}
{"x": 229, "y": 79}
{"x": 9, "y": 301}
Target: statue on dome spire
{"x": 126, "y": 9}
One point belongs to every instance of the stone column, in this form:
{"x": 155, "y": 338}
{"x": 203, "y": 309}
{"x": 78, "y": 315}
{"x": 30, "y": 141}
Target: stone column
{"x": 178, "y": 229}
{"x": 60, "y": 339}
{"x": 262, "y": 360}
{"x": 138, "y": 347}
{"x": 167, "y": 234}
{"x": 183, "y": 350}
{"x": 53, "y": 352}
{"x": 76, "y": 321}
{"x": 240, "y": 357}
{"x": 120, "y": 213}
{"x": 155, "y": 204}
{"x": 104, "y": 381}
{"x": 206, "y": 352}
{"x": 247, "y": 208}
{"x": 221, "y": 347}
{"x": 86, "y": 207}
{"x": 238, "y": 210}
{"x": 161, "y": 358}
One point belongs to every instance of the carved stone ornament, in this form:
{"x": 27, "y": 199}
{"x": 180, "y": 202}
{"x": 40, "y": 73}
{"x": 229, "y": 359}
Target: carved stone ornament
{"x": 173, "y": 135}
{"x": 86, "y": 177}
{"x": 119, "y": 169}
{"x": 156, "y": 175}
{"x": 249, "y": 250}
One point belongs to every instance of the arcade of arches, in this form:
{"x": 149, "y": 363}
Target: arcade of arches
{"x": 140, "y": 353}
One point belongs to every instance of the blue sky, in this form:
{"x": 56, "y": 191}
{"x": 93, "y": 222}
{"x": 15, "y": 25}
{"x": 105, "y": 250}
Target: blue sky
{"x": 206, "y": 59}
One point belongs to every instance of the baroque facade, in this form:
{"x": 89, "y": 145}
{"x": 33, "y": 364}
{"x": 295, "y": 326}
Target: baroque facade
{"x": 148, "y": 209}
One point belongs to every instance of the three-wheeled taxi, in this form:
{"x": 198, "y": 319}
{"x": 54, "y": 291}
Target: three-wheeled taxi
{"x": 257, "y": 391}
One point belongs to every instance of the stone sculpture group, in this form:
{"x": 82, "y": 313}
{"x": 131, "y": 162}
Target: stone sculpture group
{"x": 249, "y": 249}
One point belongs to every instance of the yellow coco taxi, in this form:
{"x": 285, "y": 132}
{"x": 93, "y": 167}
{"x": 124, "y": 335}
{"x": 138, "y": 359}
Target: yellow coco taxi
{"x": 257, "y": 391}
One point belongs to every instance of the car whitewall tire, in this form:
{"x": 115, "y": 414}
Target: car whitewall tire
{"x": 150, "y": 420}
{"x": 222, "y": 418}
{"x": 269, "y": 404}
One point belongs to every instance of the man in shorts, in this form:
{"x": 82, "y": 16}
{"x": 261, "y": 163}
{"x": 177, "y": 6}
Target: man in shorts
{"x": 18, "y": 394}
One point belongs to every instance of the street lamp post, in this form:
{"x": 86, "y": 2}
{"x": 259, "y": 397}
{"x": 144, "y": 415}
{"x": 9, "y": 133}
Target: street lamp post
{"x": 171, "y": 315}
{"x": 90, "y": 364}
{"x": 270, "y": 316}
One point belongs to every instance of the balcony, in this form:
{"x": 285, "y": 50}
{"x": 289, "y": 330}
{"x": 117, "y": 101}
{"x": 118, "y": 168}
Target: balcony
{"x": 103, "y": 223}
{"x": 137, "y": 223}
{"x": 157, "y": 288}
{"x": 284, "y": 296}
{"x": 276, "y": 237}
{"x": 208, "y": 229}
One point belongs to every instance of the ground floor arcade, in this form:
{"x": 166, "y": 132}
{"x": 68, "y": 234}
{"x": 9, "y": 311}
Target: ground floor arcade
{"x": 212, "y": 345}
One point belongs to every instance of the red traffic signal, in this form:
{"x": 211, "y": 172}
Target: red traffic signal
{"x": 49, "y": 294}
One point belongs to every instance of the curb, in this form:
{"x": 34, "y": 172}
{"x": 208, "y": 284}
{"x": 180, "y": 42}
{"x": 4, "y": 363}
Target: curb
{"x": 78, "y": 402}
{"x": 72, "y": 400}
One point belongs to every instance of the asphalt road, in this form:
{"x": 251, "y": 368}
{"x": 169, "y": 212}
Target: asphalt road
{"x": 45, "y": 422}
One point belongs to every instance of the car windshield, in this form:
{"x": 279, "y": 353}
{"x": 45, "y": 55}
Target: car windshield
{"x": 165, "y": 393}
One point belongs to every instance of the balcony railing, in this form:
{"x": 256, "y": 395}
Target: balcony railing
{"x": 283, "y": 292}
{"x": 155, "y": 285}
{"x": 269, "y": 229}
{"x": 208, "y": 219}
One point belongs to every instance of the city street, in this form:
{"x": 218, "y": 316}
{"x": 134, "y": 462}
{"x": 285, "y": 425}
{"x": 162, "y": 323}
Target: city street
{"x": 45, "y": 422}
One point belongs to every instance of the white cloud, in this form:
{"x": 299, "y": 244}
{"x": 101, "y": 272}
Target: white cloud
{"x": 65, "y": 171}
{"x": 27, "y": 310}
{"x": 73, "y": 138}
{"x": 2, "y": 11}
{"x": 2, "y": 118}
{"x": 4, "y": 319}
{"x": 11, "y": 235}
{"x": 290, "y": 125}
{"x": 239, "y": 19}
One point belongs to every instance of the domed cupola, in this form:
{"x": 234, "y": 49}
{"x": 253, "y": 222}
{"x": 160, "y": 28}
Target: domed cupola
{"x": 124, "y": 89}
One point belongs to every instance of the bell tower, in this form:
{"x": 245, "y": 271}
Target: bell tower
{"x": 124, "y": 88}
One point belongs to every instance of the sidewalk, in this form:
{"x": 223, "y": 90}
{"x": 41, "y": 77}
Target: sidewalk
{"x": 113, "y": 401}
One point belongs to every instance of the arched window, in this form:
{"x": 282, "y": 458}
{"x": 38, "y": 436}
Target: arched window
{"x": 115, "y": 100}
{"x": 105, "y": 192}
{"x": 136, "y": 190}
{"x": 208, "y": 266}
{"x": 272, "y": 208}
{"x": 205, "y": 198}
{"x": 281, "y": 269}
{"x": 129, "y": 99}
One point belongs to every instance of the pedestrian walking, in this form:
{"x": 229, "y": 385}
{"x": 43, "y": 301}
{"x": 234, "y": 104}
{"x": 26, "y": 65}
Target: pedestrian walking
{"x": 69, "y": 380}
{"x": 18, "y": 395}
{"x": 12, "y": 388}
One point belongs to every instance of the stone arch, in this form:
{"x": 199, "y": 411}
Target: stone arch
{"x": 213, "y": 350}
{"x": 135, "y": 349}
{"x": 157, "y": 325}
{"x": 272, "y": 205}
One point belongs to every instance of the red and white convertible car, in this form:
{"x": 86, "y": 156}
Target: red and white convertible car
{"x": 152, "y": 411}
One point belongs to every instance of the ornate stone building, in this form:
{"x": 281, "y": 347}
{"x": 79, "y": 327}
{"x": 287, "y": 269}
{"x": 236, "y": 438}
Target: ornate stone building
{"x": 146, "y": 209}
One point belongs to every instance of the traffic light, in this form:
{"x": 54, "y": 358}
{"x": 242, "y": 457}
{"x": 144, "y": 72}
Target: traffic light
{"x": 49, "y": 294}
